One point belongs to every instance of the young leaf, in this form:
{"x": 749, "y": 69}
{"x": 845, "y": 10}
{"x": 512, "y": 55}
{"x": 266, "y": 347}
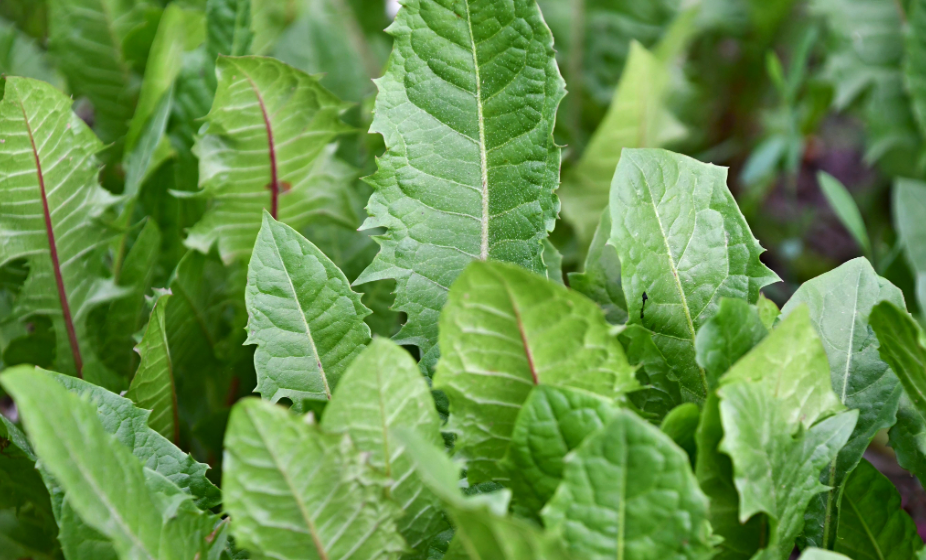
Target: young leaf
{"x": 466, "y": 108}
{"x": 153, "y": 385}
{"x": 381, "y": 390}
{"x": 845, "y": 208}
{"x": 840, "y": 302}
{"x": 49, "y": 199}
{"x": 261, "y": 149}
{"x": 600, "y": 280}
{"x": 296, "y": 492}
{"x": 681, "y": 424}
{"x": 628, "y": 492}
{"x": 505, "y": 330}
{"x": 768, "y": 311}
{"x": 727, "y": 336}
{"x": 901, "y": 347}
{"x": 660, "y": 392}
{"x": 872, "y": 523}
{"x": 683, "y": 245}
{"x": 552, "y": 422}
{"x": 305, "y": 320}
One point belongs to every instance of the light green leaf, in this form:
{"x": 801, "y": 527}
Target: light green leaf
{"x": 505, "y": 330}
{"x": 684, "y": 243}
{"x": 228, "y": 29}
{"x": 681, "y": 424}
{"x": 153, "y": 385}
{"x": 839, "y": 303}
{"x": 470, "y": 168}
{"x": 820, "y": 554}
{"x": 872, "y": 523}
{"x": 552, "y": 262}
{"x": 263, "y": 147}
{"x": 728, "y": 336}
{"x": 846, "y": 209}
{"x": 914, "y": 66}
{"x": 628, "y": 492}
{"x": 660, "y": 392}
{"x": 279, "y": 477}
{"x": 51, "y": 186}
{"x": 383, "y": 389}
{"x": 305, "y": 320}
{"x": 600, "y": 280}
{"x": 909, "y": 202}
{"x": 902, "y": 349}
{"x": 768, "y": 311}
{"x": 269, "y": 18}
{"x": 21, "y": 56}
{"x": 552, "y": 422}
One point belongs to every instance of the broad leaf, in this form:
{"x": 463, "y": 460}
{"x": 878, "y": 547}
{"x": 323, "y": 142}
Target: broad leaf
{"x": 383, "y": 389}
{"x": 505, "y": 330}
{"x": 305, "y": 320}
{"x": 660, "y": 392}
{"x": 901, "y": 346}
{"x": 471, "y": 165}
{"x": 263, "y": 147}
{"x": 228, "y": 28}
{"x": 600, "y": 279}
{"x": 872, "y": 523}
{"x": 50, "y": 202}
{"x": 909, "y": 207}
{"x": 908, "y": 439}
{"x": 839, "y": 303}
{"x": 727, "y": 336}
{"x": 21, "y": 56}
{"x": 552, "y": 422}
{"x": 628, "y": 492}
{"x": 153, "y": 385}
{"x": 846, "y": 209}
{"x": 296, "y": 492}
{"x": 683, "y": 245}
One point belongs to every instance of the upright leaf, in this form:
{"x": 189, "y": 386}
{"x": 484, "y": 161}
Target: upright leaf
{"x": 683, "y": 245}
{"x": 872, "y": 523}
{"x": 628, "y": 492}
{"x": 49, "y": 204}
{"x": 262, "y": 148}
{"x": 228, "y": 29}
{"x": 296, "y": 492}
{"x": 909, "y": 208}
{"x": 505, "y": 330}
{"x": 840, "y": 302}
{"x": 845, "y": 208}
{"x": 600, "y": 279}
{"x": 727, "y": 336}
{"x": 902, "y": 348}
{"x": 153, "y": 386}
{"x": 466, "y": 108}
{"x": 21, "y": 56}
{"x": 305, "y": 320}
{"x": 915, "y": 60}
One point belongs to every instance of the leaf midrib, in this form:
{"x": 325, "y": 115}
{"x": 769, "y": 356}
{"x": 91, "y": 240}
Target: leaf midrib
{"x": 858, "y": 515}
{"x": 483, "y": 159}
{"x": 274, "y": 177}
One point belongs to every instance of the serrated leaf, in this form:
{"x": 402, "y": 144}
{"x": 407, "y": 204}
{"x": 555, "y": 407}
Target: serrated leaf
{"x": 305, "y": 320}
{"x": 727, "y": 336}
{"x": 660, "y": 392}
{"x": 49, "y": 204}
{"x": 552, "y": 422}
{"x": 600, "y": 279}
{"x": 601, "y": 514}
{"x": 153, "y": 387}
{"x": 279, "y": 477}
{"x": 505, "y": 330}
{"x": 840, "y": 302}
{"x": 381, "y": 390}
{"x": 261, "y": 148}
{"x": 684, "y": 243}
{"x": 872, "y": 523}
{"x": 471, "y": 164}
{"x": 846, "y": 209}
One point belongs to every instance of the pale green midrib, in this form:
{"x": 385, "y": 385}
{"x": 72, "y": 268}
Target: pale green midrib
{"x": 858, "y": 515}
{"x": 483, "y": 159}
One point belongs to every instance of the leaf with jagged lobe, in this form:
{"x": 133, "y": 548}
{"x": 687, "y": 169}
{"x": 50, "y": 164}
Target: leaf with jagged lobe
{"x": 504, "y": 331}
{"x": 628, "y": 492}
{"x": 105, "y": 483}
{"x": 466, "y": 109}
{"x": 727, "y": 336}
{"x": 684, "y": 243}
{"x": 48, "y": 157}
{"x": 872, "y": 523}
{"x": 153, "y": 387}
{"x": 297, "y": 492}
{"x": 263, "y": 147}
{"x": 839, "y": 303}
{"x": 600, "y": 279}
{"x": 381, "y": 390}
{"x": 305, "y": 320}
{"x": 552, "y": 422}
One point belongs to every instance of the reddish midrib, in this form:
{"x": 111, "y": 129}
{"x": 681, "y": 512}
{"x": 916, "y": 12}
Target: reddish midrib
{"x": 274, "y": 180}
{"x": 53, "y": 249}
{"x": 527, "y": 348}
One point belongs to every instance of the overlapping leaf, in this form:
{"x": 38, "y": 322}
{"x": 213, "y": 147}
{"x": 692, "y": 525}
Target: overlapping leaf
{"x": 600, "y": 279}
{"x": 909, "y": 205}
{"x": 727, "y": 336}
{"x": 153, "y": 386}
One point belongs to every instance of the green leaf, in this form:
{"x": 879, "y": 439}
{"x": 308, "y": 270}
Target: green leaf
{"x": 872, "y": 523}
{"x": 228, "y": 29}
{"x": 660, "y": 392}
{"x": 50, "y": 197}
{"x": 552, "y": 262}
{"x": 727, "y": 336}
{"x": 471, "y": 165}
{"x": 846, "y": 209}
{"x": 909, "y": 207}
{"x": 908, "y": 439}
{"x": 505, "y": 330}
{"x": 280, "y": 475}
{"x": 305, "y": 320}
{"x": 263, "y": 147}
{"x": 628, "y": 492}
{"x": 840, "y": 302}
{"x": 21, "y": 56}
{"x": 684, "y": 243}
{"x": 768, "y": 311}
{"x": 901, "y": 347}
{"x": 269, "y": 18}
{"x": 153, "y": 385}
{"x": 383, "y": 389}
{"x": 681, "y": 424}
{"x": 552, "y": 422}
{"x": 600, "y": 280}
{"x": 914, "y": 66}
{"x": 820, "y": 554}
